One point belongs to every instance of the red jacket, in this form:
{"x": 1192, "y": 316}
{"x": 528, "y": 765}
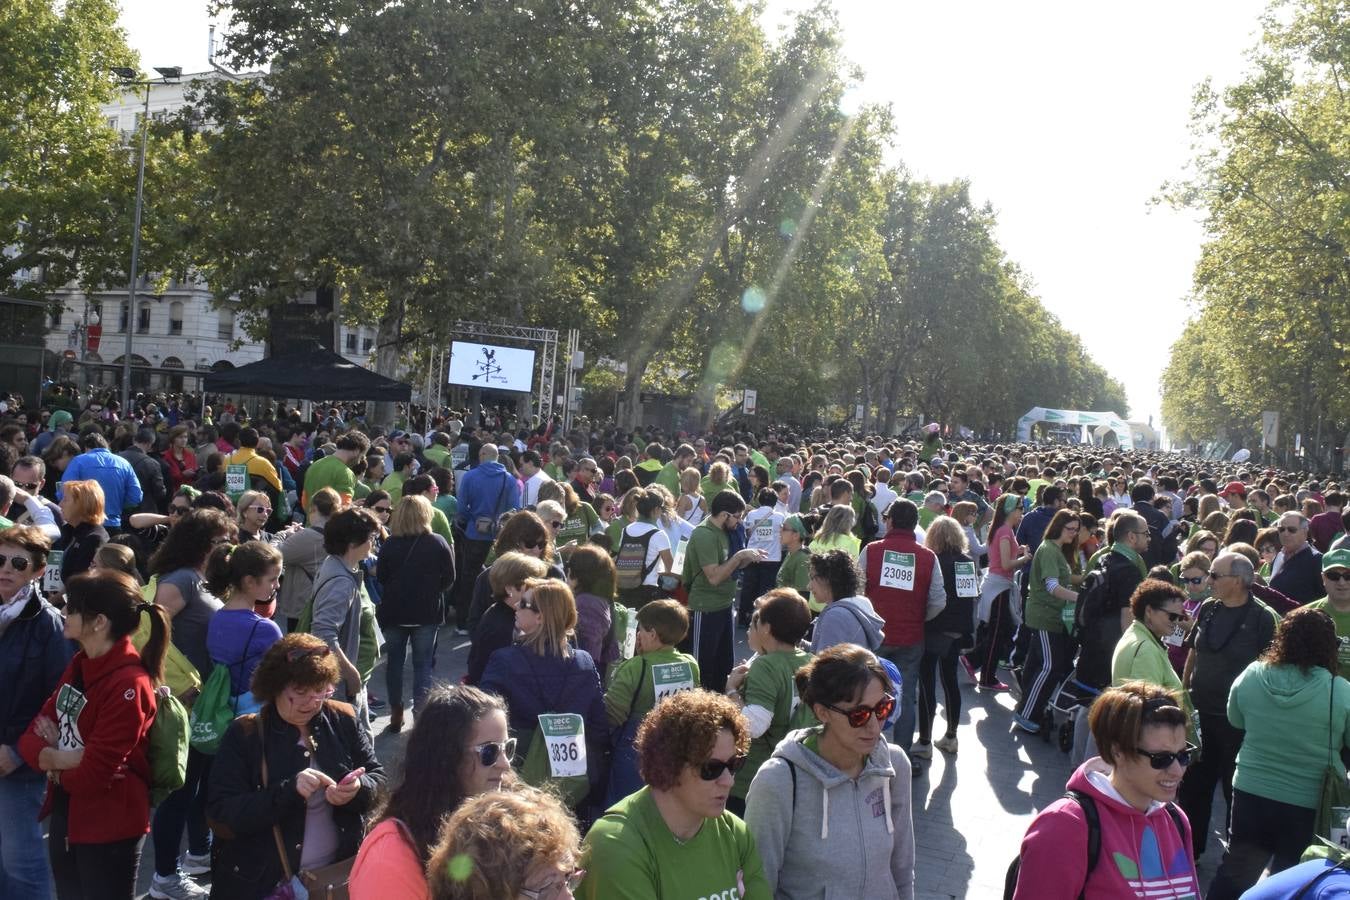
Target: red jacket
{"x": 903, "y": 609}
{"x": 109, "y": 790}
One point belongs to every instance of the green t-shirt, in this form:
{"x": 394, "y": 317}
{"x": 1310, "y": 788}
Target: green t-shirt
{"x": 711, "y": 488}
{"x": 393, "y": 483}
{"x": 448, "y": 504}
{"x": 1043, "y": 611}
{"x": 362, "y": 490}
{"x": 769, "y": 685}
{"x": 630, "y": 854}
{"x": 1342, "y": 620}
{"x": 438, "y": 455}
{"x": 669, "y": 478}
{"x": 795, "y": 572}
{"x": 330, "y": 472}
{"x": 846, "y": 542}
{"x": 615, "y": 532}
{"x": 708, "y": 546}
{"x": 441, "y": 525}
{"x": 578, "y": 526}
{"x": 926, "y": 516}
{"x": 620, "y": 702}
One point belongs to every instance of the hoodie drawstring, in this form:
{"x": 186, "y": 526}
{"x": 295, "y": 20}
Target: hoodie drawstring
{"x": 886, "y": 794}
{"x": 825, "y": 815}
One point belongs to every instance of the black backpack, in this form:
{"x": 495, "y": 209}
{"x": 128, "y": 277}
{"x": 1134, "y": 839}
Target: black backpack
{"x": 1094, "y": 841}
{"x": 1091, "y": 605}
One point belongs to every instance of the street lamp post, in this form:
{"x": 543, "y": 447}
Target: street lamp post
{"x": 128, "y": 76}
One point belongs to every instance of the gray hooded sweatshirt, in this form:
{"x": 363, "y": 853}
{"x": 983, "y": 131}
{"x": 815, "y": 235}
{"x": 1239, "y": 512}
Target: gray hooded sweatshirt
{"x": 824, "y": 835}
{"x": 850, "y": 620}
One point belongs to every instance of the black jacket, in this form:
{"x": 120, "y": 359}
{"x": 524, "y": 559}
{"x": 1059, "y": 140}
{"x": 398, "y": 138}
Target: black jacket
{"x": 958, "y": 616}
{"x": 33, "y": 656}
{"x": 79, "y": 543}
{"x": 150, "y": 473}
{"x": 413, "y": 571}
{"x": 245, "y": 864}
{"x": 1156, "y": 555}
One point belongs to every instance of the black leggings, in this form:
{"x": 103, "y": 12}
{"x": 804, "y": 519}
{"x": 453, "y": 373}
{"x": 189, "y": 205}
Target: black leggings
{"x": 940, "y": 654}
{"x": 993, "y": 640}
{"x": 91, "y": 871}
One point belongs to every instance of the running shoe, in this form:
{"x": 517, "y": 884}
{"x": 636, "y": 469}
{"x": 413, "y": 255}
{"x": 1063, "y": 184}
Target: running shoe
{"x": 921, "y": 750}
{"x": 194, "y": 864}
{"x": 1025, "y": 724}
{"x": 969, "y": 667}
{"x": 177, "y": 887}
{"x": 946, "y": 744}
{"x": 997, "y": 687}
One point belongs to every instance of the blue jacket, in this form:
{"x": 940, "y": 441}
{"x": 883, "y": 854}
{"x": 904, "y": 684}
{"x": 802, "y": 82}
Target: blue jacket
{"x": 533, "y": 685}
{"x": 487, "y": 490}
{"x": 114, "y": 474}
{"x": 1300, "y": 578}
{"x": 33, "y": 656}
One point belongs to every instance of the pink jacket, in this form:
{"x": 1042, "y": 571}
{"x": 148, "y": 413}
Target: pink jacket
{"x": 1142, "y": 854}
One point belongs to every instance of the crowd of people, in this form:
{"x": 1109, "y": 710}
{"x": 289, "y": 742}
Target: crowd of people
{"x": 1179, "y": 623}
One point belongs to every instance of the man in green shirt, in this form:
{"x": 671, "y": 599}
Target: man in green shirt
{"x": 1336, "y": 604}
{"x": 335, "y": 471}
{"x": 405, "y": 466}
{"x": 709, "y": 574}
{"x": 669, "y": 476}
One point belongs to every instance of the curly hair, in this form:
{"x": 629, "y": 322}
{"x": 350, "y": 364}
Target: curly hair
{"x": 190, "y": 541}
{"x": 298, "y": 659}
{"x": 1305, "y": 638}
{"x": 681, "y": 731}
{"x": 490, "y": 844}
{"x": 838, "y": 569}
{"x": 1153, "y": 593}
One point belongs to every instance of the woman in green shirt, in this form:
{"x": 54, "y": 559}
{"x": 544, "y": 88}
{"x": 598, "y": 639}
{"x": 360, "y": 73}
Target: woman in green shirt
{"x": 580, "y": 519}
{"x": 836, "y": 532}
{"x": 795, "y": 572}
{"x": 1049, "y": 600}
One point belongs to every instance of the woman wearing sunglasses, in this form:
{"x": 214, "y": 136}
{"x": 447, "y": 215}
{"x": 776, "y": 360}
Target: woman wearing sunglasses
{"x": 1159, "y": 612}
{"x": 300, "y": 773}
{"x": 675, "y": 837}
{"x": 832, "y": 805}
{"x": 524, "y": 532}
{"x": 458, "y": 749}
{"x": 1145, "y": 838}
{"x": 252, "y": 513}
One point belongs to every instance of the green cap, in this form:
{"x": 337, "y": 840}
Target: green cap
{"x": 1336, "y": 559}
{"x": 797, "y": 524}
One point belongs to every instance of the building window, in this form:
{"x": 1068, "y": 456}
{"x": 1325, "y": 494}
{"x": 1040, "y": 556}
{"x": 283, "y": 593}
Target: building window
{"x": 351, "y": 342}
{"x": 225, "y": 328}
{"x": 367, "y": 344}
{"x": 122, "y": 317}
{"x": 143, "y": 319}
{"x": 114, "y": 122}
{"x": 175, "y": 318}
{"x": 56, "y": 316}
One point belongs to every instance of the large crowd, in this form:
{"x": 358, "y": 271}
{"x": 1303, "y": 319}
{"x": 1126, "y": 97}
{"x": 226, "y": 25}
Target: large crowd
{"x": 194, "y": 602}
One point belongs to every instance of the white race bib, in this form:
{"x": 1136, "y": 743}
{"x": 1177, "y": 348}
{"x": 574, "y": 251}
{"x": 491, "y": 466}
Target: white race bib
{"x": 629, "y": 636}
{"x": 967, "y": 585}
{"x": 897, "y": 570}
{"x": 565, "y": 739}
{"x": 236, "y": 479}
{"x": 69, "y": 703}
{"x": 51, "y": 576}
{"x": 678, "y": 561}
{"x": 671, "y": 678}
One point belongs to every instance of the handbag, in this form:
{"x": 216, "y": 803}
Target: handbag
{"x": 1335, "y": 788}
{"x": 324, "y": 883}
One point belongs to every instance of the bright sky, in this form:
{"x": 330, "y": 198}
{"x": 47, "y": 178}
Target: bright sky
{"x": 1067, "y": 117}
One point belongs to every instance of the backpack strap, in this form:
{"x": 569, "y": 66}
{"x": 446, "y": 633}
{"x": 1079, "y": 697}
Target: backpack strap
{"x": 792, "y": 770}
{"x": 1094, "y": 832}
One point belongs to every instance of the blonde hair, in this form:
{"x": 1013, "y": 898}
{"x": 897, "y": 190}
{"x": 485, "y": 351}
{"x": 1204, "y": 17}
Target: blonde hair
{"x": 557, "y": 610}
{"x": 412, "y": 516}
{"x": 548, "y": 509}
{"x": 247, "y": 499}
{"x": 719, "y": 473}
{"x": 690, "y": 481}
{"x": 838, "y": 521}
{"x": 945, "y": 535}
{"x": 503, "y": 836}
{"x": 512, "y": 570}
{"x": 86, "y": 501}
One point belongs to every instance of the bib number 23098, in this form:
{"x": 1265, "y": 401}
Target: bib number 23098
{"x": 565, "y": 738}
{"x": 897, "y": 570}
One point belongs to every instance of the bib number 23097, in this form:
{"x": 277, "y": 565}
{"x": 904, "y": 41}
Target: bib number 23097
{"x": 565, "y": 738}
{"x": 897, "y": 570}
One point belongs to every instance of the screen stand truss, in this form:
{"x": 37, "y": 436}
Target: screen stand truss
{"x": 546, "y": 339}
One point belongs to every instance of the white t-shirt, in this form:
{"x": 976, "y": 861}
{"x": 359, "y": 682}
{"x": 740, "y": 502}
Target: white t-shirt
{"x": 658, "y": 542}
{"x": 762, "y": 527}
{"x": 530, "y": 496}
{"x": 882, "y": 500}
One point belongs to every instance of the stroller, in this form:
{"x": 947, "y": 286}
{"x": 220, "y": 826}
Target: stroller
{"x": 1066, "y": 715}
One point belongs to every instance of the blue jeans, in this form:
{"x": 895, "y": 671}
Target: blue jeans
{"x": 907, "y": 660}
{"x": 24, "y": 874}
{"x": 397, "y": 638}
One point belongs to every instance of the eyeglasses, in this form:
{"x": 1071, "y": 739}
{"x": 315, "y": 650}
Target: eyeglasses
{"x": 216, "y": 542}
{"x": 858, "y": 716}
{"x": 1196, "y": 581}
{"x": 295, "y": 656}
{"x": 178, "y": 510}
{"x": 555, "y": 525}
{"x": 535, "y": 545}
{"x": 571, "y": 883}
{"x": 713, "y": 768}
{"x": 526, "y": 603}
{"x": 1291, "y": 529}
{"x": 491, "y": 751}
{"x": 1336, "y": 576}
{"x": 1162, "y": 760}
{"x": 382, "y": 510}
{"x": 29, "y": 487}
{"x": 303, "y": 696}
{"x": 1215, "y": 576}
{"x": 17, "y": 563}
{"x": 1171, "y": 616}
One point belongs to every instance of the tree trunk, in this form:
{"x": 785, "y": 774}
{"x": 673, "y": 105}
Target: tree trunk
{"x": 388, "y": 341}
{"x": 630, "y": 409}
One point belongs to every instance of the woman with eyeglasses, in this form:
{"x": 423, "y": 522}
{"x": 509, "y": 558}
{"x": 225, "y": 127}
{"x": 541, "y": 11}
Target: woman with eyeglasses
{"x": 1140, "y": 731}
{"x": 1296, "y": 715}
{"x": 511, "y": 845}
{"x": 832, "y": 804}
{"x": 301, "y": 765}
{"x": 179, "y": 566}
{"x": 1050, "y": 603}
{"x": 458, "y": 749}
{"x": 675, "y": 837}
{"x": 1159, "y": 612}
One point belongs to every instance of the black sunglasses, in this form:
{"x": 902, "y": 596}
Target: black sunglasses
{"x": 491, "y": 751}
{"x": 1161, "y": 760}
{"x": 1171, "y": 616}
{"x": 30, "y": 488}
{"x": 858, "y": 716}
{"x": 713, "y": 768}
{"x": 178, "y": 510}
{"x": 526, "y": 603}
{"x": 1291, "y": 529}
{"x": 382, "y": 509}
{"x": 1336, "y": 576}
{"x": 1197, "y": 580}
{"x": 18, "y": 563}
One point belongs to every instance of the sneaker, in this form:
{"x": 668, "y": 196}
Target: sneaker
{"x": 921, "y": 750}
{"x": 177, "y": 887}
{"x": 194, "y": 864}
{"x": 946, "y": 744}
{"x": 375, "y": 702}
{"x": 997, "y": 687}
{"x": 461, "y": 632}
{"x": 1025, "y": 724}
{"x": 968, "y": 666}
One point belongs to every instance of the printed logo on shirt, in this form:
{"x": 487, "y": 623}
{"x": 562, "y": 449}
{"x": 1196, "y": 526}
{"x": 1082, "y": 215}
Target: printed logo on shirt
{"x": 1149, "y": 878}
{"x": 69, "y": 704}
{"x": 877, "y": 800}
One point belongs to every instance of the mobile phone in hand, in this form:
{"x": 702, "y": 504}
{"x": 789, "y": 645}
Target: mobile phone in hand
{"x": 351, "y": 776}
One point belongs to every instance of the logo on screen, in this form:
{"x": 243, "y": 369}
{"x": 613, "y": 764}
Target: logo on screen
{"x": 487, "y": 368}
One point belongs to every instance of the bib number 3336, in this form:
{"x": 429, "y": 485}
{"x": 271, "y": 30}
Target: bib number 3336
{"x": 565, "y": 738}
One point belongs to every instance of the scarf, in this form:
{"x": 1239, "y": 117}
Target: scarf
{"x": 1128, "y": 553}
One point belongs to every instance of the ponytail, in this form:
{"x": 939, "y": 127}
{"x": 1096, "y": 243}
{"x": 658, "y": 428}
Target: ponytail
{"x": 228, "y": 565}
{"x": 155, "y": 649}
{"x": 117, "y": 597}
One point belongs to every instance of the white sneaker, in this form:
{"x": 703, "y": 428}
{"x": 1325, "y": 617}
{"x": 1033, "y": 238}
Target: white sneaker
{"x": 177, "y": 887}
{"x": 192, "y": 864}
{"x": 946, "y": 744}
{"x": 921, "y": 750}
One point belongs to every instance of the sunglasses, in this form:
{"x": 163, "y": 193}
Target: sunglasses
{"x": 713, "y": 768}
{"x": 1171, "y": 616}
{"x": 535, "y": 545}
{"x": 858, "y": 716}
{"x": 555, "y": 525}
{"x": 1162, "y": 760}
{"x": 1329, "y": 576}
{"x": 383, "y": 509}
{"x": 178, "y": 510}
{"x": 491, "y": 751}
{"x": 30, "y": 488}
{"x": 526, "y": 603}
{"x": 18, "y": 563}
{"x": 262, "y": 510}
{"x": 1198, "y": 580}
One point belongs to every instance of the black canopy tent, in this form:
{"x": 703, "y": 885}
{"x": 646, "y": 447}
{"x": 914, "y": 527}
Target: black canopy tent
{"x": 310, "y": 375}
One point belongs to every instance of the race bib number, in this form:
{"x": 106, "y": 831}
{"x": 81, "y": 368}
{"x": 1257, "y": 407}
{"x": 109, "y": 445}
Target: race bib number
{"x": 679, "y": 555}
{"x": 51, "y": 576}
{"x": 966, "y": 583}
{"x": 897, "y": 570}
{"x": 236, "y": 479}
{"x": 1343, "y": 653}
{"x": 565, "y": 738}
{"x": 764, "y": 529}
{"x": 69, "y": 703}
{"x": 630, "y": 637}
{"x": 671, "y": 678}
{"x": 1176, "y": 636}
